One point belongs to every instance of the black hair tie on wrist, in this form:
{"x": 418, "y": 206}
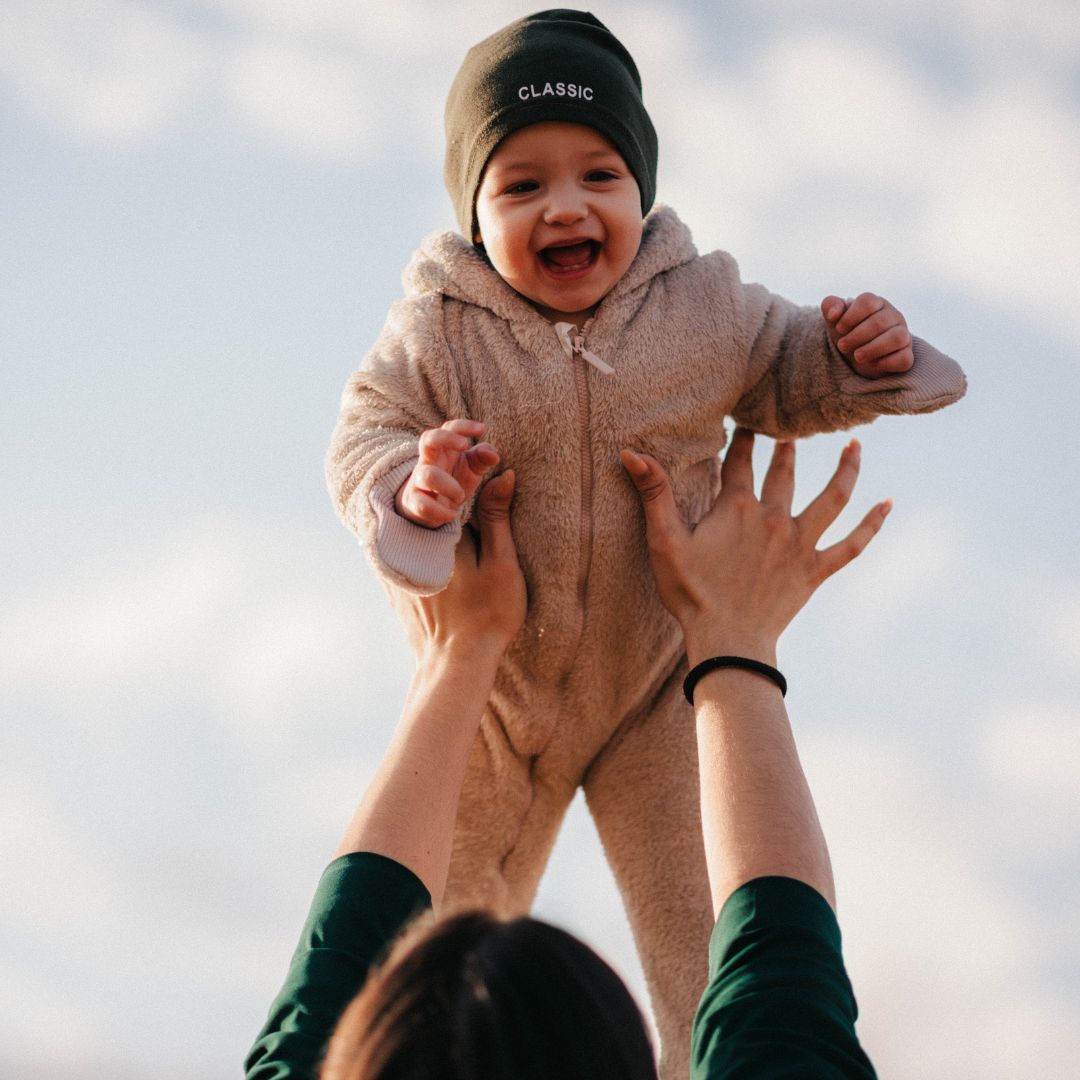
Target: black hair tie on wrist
{"x": 699, "y": 671}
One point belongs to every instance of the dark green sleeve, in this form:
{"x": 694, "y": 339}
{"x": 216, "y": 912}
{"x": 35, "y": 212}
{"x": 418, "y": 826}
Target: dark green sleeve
{"x": 362, "y": 902}
{"x": 778, "y": 1002}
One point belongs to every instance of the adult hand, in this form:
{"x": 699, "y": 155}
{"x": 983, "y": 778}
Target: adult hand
{"x": 737, "y": 579}
{"x": 459, "y": 636}
{"x": 483, "y": 606}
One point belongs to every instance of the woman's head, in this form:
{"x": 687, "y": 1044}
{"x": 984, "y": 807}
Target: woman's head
{"x": 474, "y": 996}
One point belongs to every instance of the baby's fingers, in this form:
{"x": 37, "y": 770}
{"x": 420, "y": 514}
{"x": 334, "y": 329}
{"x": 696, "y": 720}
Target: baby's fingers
{"x": 887, "y": 363}
{"x": 863, "y": 307}
{"x": 843, "y": 551}
{"x": 866, "y": 342}
{"x": 427, "y": 509}
{"x": 439, "y": 443}
{"x": 474, "y": 465}
{"x": 431, "y": 480}
{"x": 832, "y": 307}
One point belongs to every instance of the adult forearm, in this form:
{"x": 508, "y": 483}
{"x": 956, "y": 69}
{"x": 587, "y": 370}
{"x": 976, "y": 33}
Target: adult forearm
{"x": 409, "y": 809}
{"x": 758, "y": 816}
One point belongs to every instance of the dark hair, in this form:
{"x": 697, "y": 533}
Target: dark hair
{"x": 473, "y": 996}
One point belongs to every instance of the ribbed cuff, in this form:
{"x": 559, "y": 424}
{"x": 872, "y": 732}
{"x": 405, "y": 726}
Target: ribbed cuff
{"x": 934, "y": 381}
{"x": 424, "y": 557}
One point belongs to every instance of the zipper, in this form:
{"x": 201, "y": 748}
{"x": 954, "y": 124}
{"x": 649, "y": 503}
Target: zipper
{"x": 574, "y": 344}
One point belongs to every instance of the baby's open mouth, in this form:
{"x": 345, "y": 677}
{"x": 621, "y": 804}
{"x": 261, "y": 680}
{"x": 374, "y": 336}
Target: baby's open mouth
{"x": 566, "y": 257}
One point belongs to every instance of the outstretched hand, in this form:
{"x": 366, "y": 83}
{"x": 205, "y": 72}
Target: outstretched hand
{"x": 449, "y": 470}
{"x": 736, "y": 580}
{"x": 484, "y": 604}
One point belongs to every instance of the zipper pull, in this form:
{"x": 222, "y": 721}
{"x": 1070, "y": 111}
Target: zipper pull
{"x": 574, "y": 344}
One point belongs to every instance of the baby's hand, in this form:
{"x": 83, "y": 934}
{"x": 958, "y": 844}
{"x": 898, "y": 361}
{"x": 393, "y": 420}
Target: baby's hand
{"x": 870, "y": 333}
{"x": 448, "y": 473}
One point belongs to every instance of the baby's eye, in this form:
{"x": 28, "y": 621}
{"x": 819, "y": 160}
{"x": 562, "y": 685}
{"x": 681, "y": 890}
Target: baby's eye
{"x": 599, "y": 176}
{"x": 522, "y": 187}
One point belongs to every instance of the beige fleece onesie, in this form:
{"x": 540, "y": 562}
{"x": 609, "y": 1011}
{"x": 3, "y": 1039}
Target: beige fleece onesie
{"x": 589, "y": 693}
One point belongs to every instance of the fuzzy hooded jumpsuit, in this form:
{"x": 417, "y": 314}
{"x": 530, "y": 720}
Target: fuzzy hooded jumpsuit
{"x": 589, "y": 694}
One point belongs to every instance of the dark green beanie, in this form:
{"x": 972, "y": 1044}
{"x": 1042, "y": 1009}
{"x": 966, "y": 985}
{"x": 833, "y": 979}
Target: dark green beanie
{"x": 554, "y": 65}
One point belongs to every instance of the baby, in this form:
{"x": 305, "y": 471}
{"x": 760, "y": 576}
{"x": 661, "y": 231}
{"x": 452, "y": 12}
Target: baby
{"x": 573, "y": 321}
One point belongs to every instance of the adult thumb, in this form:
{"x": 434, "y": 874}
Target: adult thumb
{"x": 493, "y": 516}
{"x": 649, "y": 478}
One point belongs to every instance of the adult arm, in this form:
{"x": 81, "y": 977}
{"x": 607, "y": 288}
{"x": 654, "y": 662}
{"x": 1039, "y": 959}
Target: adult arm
{"x": 734, "y": 584}
{"x": 779, "y": 997}
{"x": 393, "y": 859}
{"x": 459, "y": 636}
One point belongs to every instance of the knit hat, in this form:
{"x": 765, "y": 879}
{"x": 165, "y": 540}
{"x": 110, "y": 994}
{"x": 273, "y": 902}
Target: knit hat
{"x": 554, "y": 65}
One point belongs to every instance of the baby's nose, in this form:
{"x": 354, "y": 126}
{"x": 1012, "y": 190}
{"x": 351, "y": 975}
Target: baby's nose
{"x": 565, "y": 207}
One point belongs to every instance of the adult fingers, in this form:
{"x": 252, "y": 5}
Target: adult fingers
{"x": 737, "y": 472}
{"x": 662, "y": 518}
{"x": 843, "y": 551}
{"x": 825, "y": 509}
{"x": 778, "y": 488}
{"x": 493, "y": 517}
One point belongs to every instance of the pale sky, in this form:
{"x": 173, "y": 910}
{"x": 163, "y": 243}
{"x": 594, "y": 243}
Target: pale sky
{"x": 207, "y": 208}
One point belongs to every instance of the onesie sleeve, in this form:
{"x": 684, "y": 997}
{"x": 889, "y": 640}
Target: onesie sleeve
{"x": 779, "y": 1002}
{"x": 362, "y": 903}
{"x": 406, "y": 385}
{"x": 796, "y": 382}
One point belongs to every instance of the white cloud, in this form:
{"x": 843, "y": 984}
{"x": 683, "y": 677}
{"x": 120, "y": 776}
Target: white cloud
{"x": 1049, "y": 619}
{"x": 58, "y": 884}
{"x": 1034, "y": 748}
{"x": 824, "y": 154}
{"x": 1003, "y": 220}
{"x": 909, "y": 563}
{"x": 1001, "y": 33}
{"x": 944, "y": 963}
{"x": 109, "y": 69}
{"x": 174, "y": 714}
{"x": 265, "y": 650}
{"x": 310, "y": 102}
{"x": 828, "y": 154}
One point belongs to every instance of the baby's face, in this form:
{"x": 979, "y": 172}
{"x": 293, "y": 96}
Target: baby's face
{"x": 559, "y": 215}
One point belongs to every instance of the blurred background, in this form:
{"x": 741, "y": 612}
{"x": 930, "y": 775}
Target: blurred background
{"x": 206, "y": 208}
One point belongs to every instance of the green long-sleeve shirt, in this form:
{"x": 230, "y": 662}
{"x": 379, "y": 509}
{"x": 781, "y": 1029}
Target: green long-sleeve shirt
{"x": 778, "y": 1002}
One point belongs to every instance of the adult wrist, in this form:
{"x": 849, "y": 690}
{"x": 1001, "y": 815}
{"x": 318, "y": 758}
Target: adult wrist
{"x": 705, "y": 642}
{"x": 480, "y": 652}
{"x": 737, "y": 663}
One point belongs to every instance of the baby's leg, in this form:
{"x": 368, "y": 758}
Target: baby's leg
{"x": 507, "y": 823}
{"x": 643, "y": 794}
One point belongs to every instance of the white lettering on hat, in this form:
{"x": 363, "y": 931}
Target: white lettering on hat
{"x": 558, "y": 89}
